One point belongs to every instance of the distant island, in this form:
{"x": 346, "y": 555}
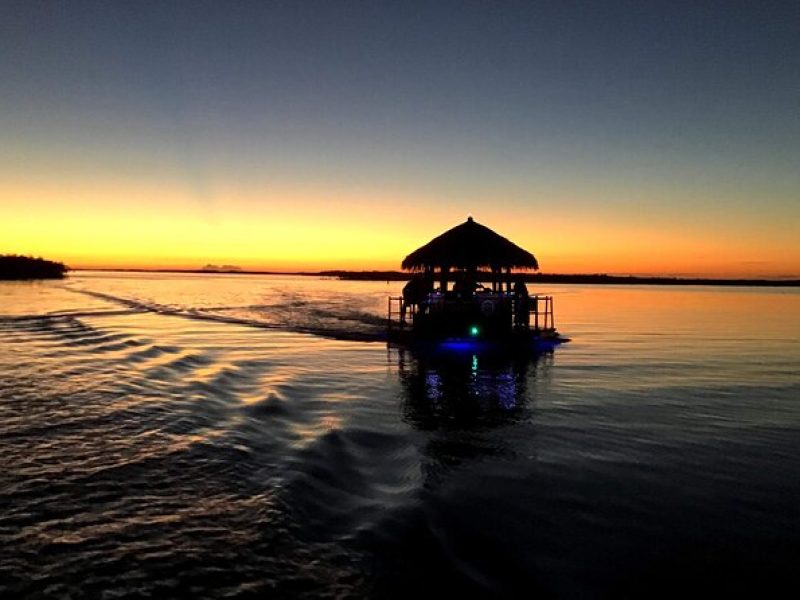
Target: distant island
{"x": 15, "y": 267}
{"x": 221, "y": 268}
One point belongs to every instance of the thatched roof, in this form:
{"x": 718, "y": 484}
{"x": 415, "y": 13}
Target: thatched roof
{"x": 470, "y": 246}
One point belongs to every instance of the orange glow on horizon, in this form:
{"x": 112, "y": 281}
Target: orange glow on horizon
{"x": 114, "y": 224}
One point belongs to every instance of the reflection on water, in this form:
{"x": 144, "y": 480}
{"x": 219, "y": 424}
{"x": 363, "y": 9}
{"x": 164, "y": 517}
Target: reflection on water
{"x": 463, "y": 399}
{"x": 446, "y": 387}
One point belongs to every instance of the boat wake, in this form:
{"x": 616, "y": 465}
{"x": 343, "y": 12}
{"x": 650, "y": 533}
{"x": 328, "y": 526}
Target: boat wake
{"x": 340, "y": 318}
{"x": 192, "y": 447}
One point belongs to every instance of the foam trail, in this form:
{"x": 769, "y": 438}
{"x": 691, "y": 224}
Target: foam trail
{"x": 288, "y": 316}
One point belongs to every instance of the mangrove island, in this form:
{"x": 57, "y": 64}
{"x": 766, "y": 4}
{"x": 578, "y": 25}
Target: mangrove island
{"x": 13, "y": 266}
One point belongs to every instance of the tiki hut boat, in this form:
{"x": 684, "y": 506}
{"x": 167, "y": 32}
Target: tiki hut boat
{"x": 485, "y": 304}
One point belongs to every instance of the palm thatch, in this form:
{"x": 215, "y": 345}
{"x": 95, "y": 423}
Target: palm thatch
{"x": 470, "y": 246}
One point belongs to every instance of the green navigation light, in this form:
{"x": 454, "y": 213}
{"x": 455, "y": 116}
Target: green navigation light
{"x": 474, "y": 331}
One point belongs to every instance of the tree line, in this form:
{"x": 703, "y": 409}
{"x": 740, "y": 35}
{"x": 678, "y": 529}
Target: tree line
{"x": 14, "y": 266}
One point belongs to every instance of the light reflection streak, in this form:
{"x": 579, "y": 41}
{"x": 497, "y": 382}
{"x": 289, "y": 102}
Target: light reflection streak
{"x": 455, "y": 386}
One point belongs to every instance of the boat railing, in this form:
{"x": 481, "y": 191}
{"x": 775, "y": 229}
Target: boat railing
{"x": 541, "y": 313}
{"x": 537, "y": 315}
{"x": 399, "y": 312}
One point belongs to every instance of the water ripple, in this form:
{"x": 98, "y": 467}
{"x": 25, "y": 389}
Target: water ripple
{"x": 161, "y": 449}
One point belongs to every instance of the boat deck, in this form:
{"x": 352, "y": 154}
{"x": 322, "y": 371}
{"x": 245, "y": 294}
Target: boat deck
{"x": 479, "y": 318}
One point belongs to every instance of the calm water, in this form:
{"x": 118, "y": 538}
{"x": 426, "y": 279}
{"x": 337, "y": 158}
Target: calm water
{"x": 236, "y": 436}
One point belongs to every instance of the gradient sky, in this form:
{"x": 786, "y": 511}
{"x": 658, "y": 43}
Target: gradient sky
{"x": 620, "y": 137}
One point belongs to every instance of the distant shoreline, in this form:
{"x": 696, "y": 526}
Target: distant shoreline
{"x": 590, "y": 279}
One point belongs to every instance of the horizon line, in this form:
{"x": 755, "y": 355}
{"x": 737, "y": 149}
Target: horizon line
{"x": 380, "y": 274}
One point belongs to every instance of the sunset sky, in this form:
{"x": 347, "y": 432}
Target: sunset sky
{"x": 617, "y": 137}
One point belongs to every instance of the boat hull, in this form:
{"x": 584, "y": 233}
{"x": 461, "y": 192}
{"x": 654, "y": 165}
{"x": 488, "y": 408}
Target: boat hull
{"x": 524, "y": 342}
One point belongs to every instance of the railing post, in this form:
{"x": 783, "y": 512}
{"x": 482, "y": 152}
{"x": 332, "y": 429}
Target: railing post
{"x": 548, "y": 312}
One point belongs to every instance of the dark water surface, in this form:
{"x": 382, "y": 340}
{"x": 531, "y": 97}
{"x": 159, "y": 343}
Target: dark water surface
{"x": 214, "y": 436}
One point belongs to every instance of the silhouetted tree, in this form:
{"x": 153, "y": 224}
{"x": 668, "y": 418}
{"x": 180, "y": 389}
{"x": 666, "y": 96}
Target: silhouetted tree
{"x": 13, "y": 266}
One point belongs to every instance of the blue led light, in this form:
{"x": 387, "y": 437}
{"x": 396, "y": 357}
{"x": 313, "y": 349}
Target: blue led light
{"x": 460, "y": 345}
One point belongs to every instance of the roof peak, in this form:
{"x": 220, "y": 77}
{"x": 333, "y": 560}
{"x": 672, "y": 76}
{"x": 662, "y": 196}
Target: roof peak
{"x": 470, "y": 245}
